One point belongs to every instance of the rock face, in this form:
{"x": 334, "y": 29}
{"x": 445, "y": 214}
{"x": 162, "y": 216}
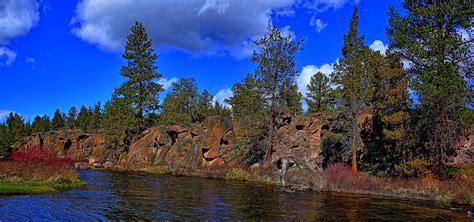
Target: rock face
{"x": 210, "y": 144}
{"x": 69, "y": 143}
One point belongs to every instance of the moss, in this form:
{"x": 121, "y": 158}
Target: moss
{"x": 37, "y": 187}
{"x": 470, "y": 199}
{"x": 266, "y": 180}
{"x": 238, "y": 174}
{"x": 157, "y": 170}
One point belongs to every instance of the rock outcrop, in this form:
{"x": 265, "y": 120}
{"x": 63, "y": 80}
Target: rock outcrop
{"x": 208, "y": 145}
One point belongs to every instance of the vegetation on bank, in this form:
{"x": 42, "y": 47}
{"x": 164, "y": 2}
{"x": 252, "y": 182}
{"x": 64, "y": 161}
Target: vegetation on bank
{"x": 401, "y": 139}
{"x": 37, "y": 170}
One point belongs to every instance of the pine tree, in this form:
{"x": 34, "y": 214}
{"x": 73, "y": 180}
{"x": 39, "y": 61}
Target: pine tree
{"x": 118, "y": 122}
{"x": 4, "y": 142}
{"x": 248, "y": 108}
{"x": 204, "y": 106}
{"x": 352, "y": 75}
{"x": 276, "y": 74}
{"x": 141, "y": 89}
{"x": 72, "y": 118}
{"x": 430, "y": 38}
{"x": 96, "y": 118}
{"x": 319, "y": 93}
{"x": 390, "y": 104}
{"x": 83, "y": 120}
{"x": 58, "y": 122}
{"x": 181, "y": 104}
{"x": 15, "y": 128}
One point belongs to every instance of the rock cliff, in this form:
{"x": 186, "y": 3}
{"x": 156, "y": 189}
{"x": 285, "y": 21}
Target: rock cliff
{"x": 209, "y": 145}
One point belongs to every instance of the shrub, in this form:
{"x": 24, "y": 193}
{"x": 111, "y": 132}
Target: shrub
{"x": 39, "y": 155}
{"x": 339, "y": 177}
{"x": 412, "y": 168}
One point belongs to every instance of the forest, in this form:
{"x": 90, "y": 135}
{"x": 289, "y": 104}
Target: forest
{"x": 417, "y": 95}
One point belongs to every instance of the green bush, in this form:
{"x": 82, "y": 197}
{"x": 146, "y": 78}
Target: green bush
{"x": 412, "y": 168}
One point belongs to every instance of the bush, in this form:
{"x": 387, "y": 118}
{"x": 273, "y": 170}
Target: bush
{"x": 339, "y": 177}
{"x": 412, "y": 168}
{"x": 39, "y": 155}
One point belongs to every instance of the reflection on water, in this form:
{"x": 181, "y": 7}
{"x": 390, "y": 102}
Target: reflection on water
{"x": 124, "y": 196}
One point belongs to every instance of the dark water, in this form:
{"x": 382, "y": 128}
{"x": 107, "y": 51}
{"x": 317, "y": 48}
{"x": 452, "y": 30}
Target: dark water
{"x": 122, "y": 196}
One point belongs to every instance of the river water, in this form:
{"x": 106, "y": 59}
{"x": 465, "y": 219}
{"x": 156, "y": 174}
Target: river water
{"x": 131, "y": 196}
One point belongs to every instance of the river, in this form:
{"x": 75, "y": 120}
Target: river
{"x": 132, "y": 196}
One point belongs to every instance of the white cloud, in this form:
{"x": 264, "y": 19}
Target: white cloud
{"x": 286, "y": 12}
{"x": 4, "y": 115}
{"x": 303, "y": 79}
{"x": 378, "y": 45}
{"x": 167, "y": 83}
{"x": 318, "y": 24}
{"x": 221, "y": 95}
{"x": 323, "y": 5}
{"x": 286, "y": 31}
{"x": 198, "y": 27}
{"x": 7, "y": 56}
{"x": 17, "y": 17}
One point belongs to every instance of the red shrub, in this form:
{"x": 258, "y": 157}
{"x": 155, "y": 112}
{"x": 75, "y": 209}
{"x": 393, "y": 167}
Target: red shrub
{"x": 39, "y": 155}
{"x": 339, "y": 177}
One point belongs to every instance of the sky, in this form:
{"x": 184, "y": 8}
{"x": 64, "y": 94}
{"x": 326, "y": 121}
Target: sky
{"x": 58, "y": 54}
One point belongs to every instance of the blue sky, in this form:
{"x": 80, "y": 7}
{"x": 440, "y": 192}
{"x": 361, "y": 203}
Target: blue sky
{"x": 58, "y": 54}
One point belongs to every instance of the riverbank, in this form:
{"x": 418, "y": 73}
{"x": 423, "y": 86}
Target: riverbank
{"x": 338, "y": 178}
{"x": 20, "y": 178}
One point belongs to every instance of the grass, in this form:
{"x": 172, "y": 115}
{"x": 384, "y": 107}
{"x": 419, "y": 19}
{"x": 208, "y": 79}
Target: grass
{"x": 36, "y": 187}
{"x": 24, "y": 178}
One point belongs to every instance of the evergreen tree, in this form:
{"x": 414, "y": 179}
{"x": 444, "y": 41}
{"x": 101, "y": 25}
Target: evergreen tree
{"x": 275, "y": 74}
{"x": 96, "y": 118}
{"x": 319, "y": 93}
{"x": 248, "y": 107}
{"x": 58, "y": 122}
{"x": 430, "y": 38}
{"x": 204, "y": 106}
{"x": 385, "y": 145}
{"x": 72, "y": 118}
{"x": 220, "y": 110}
{"x": 141, "y": 89}
{"x": 180, "y": 105}
{"x": 40, "y": 124}
{"x": 4, "y": 141}
{"x": 119, "y": 122}
{"x": 84, "y": 120}
{"x": 15, "y": 128}
{"x": 353, "y": 77}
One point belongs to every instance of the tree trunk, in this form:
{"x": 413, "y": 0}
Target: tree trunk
{"x": 354, "y": 157}
{"x": 271, "y": 123}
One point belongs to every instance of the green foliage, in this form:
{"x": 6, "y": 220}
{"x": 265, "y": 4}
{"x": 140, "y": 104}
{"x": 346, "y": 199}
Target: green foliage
{"x": 84, "y": 119}
{"x": 141, "y": 89}
{"x": 412, "y": 168}
{"x": 319, "y": 96}
{"x": 181, "y": 104}
{"x": 96, "y": 118}
{"x": 41, "y": 124}
{"x": 119, "y": 123}
{"x": 353, "y": 77}
{"x": 72, "y": 118}
{"x": 184, "y": 105}
{"x": 275, "y": 73}
{"x": 59, "y": 121}
{"x": 429, "y": 36}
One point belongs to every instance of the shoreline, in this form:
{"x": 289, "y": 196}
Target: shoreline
{"x": 390, "y": 191}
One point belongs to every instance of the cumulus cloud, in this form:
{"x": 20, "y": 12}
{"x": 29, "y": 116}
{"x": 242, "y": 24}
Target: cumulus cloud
{"x": 309, "y": 70}
{"x": 7, "y": 56}
{"x": 17, "y": 17}
{"x": 318, "y": 24}
{"x": 198, "y": 27}
{"x": 378, "y": 45}
{"x": 221, "y": 95}
{"x": 167, "y": 83}
{"x": 323, "y": 5}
